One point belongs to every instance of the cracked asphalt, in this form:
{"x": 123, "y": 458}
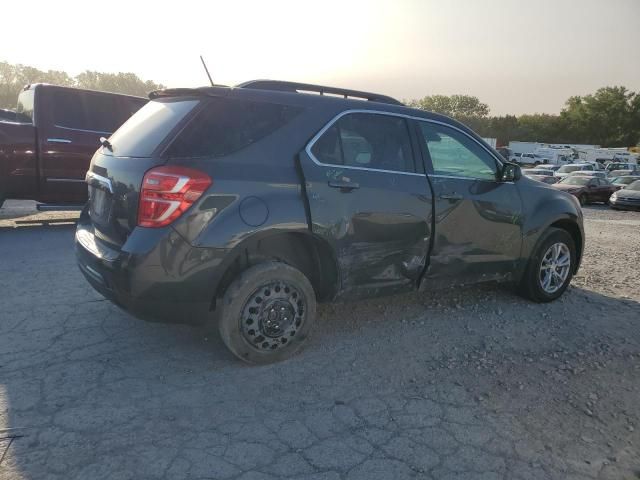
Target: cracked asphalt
{"x": 475, "y": 383}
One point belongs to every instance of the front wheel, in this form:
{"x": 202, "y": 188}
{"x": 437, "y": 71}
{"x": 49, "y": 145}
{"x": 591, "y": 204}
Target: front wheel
{"x": 550, "y": 267}
{"x": 267, "y": 313}
{"x": 582, "y": 199}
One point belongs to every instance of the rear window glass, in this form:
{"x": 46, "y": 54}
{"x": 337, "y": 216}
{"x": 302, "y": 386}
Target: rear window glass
{"x": 149, "y": 126}
{"x": 227, "y": 125}
{"x": 92, "y": 112}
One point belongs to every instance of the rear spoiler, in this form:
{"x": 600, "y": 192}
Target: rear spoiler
{"x": 188, "y": 92}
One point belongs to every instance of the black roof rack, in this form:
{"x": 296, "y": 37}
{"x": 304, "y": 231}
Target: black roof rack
{"x": 283, "y": 86}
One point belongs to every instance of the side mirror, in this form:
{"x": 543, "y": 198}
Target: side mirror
{"x": 510, "y": 172}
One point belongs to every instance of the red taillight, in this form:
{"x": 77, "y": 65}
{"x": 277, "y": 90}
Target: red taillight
{"x": 167, "y": 192}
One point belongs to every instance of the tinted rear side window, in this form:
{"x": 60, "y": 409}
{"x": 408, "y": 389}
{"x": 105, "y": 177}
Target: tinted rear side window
{"x": 227, "y": 125}
{"x": 148, "y": 127}
{"x": 367, "y": 140}
{"x": 92, "y": 111}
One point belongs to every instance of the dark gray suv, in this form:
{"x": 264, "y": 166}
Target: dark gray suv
{"x": 245, "y": 206}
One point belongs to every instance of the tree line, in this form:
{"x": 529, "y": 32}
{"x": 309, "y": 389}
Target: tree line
{"x": 14, "y": 77}
{"x": 610, "y": 117}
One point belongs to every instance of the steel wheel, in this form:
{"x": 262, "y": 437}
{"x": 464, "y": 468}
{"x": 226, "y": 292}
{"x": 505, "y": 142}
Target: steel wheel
{"x": 555, "y": 267}
{"x": 272, "y": 316}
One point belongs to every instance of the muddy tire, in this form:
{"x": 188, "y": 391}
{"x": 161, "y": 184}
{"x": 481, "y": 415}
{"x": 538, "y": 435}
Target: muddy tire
{"x": 550, "y": 268}
{"x": 267, "y": 313}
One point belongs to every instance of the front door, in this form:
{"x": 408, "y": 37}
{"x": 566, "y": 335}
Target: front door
{"x": 478, "y": 218}
{"x": 369, "y": 199}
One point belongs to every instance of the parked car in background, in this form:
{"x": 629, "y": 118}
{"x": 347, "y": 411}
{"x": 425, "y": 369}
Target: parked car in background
{"x": 624, "y": 180}
{"x": 617, "y": 166}
{"x": 544, "y": 176}
{"x": 565, "y": 170}
{"x": 586, "y": 189}
{"x": 628, "y": 198}
{"x": 45, "y": 151}
{"x": 249, "y": 204}
{"x": 553, "y": 168}
{"x": 623, "y": 173}
{"x": 589, "y": 173}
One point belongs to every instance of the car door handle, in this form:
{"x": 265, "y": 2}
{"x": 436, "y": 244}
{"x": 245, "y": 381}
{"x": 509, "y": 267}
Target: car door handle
{"x": 344, "y": 186}
{"x": 58, "y": 140}
{"x": 450, "y": 196}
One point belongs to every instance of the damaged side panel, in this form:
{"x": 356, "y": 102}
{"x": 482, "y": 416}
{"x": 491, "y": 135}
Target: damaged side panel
{"x": 380, "y": 229}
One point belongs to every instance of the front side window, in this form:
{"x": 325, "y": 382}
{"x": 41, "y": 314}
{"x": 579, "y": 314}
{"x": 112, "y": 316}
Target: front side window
{"x": 455, "y": 154}
{"x": 367, "y": 140}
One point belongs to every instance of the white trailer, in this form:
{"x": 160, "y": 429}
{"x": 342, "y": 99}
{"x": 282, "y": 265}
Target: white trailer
{"x": 553, "y": 156}
{"x": 525, "y": 147}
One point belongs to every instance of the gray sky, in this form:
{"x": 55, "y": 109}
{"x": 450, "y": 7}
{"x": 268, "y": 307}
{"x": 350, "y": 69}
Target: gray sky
{"x": 518, "y": 56}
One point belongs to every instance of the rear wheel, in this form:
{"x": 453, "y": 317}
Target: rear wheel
{"x": 267, "y": 313}
{"x": 550, "y": 268}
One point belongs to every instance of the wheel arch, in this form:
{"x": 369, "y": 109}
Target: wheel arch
{"x": 576, "y": 233}
{"x": 310, "y": 254}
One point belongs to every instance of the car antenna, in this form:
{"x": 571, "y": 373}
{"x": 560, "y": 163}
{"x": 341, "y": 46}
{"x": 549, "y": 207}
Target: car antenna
{"x": 206, "y": 70}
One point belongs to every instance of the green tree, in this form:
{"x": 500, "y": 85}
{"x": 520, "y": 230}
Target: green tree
{"x": 127, "y": 83}
{"x": 610, "y": 117}
{"x": 456, "y": 106}
{"x": 13, "y": 78}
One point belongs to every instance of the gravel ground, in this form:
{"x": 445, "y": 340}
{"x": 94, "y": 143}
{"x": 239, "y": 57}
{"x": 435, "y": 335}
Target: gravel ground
{"x": 475, "y": 383}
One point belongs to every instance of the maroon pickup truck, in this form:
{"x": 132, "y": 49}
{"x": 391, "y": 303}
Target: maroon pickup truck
{"x": 46, "y": 149}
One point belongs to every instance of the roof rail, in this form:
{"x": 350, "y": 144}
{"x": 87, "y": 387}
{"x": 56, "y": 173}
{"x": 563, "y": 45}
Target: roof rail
{"x": 282, "y": 86}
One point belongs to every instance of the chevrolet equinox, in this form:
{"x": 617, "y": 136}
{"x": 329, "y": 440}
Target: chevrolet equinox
{"x": 245, "y": 206}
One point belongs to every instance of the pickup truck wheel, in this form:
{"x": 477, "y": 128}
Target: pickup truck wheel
{"x": 267, "y": 313}
{"x": 550, "y": 268}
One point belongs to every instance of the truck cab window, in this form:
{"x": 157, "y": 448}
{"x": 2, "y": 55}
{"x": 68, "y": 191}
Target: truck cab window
{"x": 24, "y": 109}
{"x": 90, "y": 111}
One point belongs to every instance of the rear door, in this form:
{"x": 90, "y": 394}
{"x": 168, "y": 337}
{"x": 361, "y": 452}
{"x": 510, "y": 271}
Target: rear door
{"x": 370, "y": 200}
{"x": 76, "y": 121}
{"x": 478, "y": 218}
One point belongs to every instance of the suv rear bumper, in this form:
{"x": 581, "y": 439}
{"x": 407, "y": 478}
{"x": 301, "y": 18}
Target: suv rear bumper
{"x": 150, "y": 277}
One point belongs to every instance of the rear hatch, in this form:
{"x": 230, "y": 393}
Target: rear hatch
{"x": 118, "y": 167}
